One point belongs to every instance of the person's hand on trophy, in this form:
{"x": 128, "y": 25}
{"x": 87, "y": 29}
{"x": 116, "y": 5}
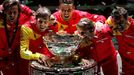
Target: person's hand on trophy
{"x": 55, "y": 59}
{"x": 62, "y": 33}
{"x": 47, "y": 38}
{"x": 45, "y": 60}
{"x": 86, "y": 62}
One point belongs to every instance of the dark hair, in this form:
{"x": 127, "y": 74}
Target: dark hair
{"x": 7, "y": 4}
{"x": 118, "y": 12}
{"x": 67, "y": 1}
{"x": 43, "y": 12}
{"x": 86, "y": 24}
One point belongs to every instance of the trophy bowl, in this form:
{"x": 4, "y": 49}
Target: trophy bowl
{"x": 62, "y": 46}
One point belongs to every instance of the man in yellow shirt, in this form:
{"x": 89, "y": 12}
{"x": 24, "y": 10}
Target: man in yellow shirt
{"x": 32, "y": 46}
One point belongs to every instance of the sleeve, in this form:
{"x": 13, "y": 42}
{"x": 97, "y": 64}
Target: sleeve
{"x": 103, "y": 28}
{"x": 94, "y": 17}
{"x": 25, "y": 53}
{"x": 97, "y": 18}
{"x": 26, "y": 14}
{"x": 84, "y": 52}
{"x": 26, "y": 10}
{"x": 110, "y": 24}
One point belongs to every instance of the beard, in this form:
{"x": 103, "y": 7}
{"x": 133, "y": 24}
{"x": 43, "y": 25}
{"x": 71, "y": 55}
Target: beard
{"x": 121, "y": 26}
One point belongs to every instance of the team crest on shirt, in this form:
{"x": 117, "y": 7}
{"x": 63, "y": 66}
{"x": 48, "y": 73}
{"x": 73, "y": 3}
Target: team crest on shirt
{"x": 62, "y": 26}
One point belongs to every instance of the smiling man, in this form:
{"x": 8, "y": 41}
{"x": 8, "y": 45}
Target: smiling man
{"x": 11, "y": 19}
{"x": 66, "y": 18}
{"x": 122, "y": 27}
{"x": 32, "y": 46}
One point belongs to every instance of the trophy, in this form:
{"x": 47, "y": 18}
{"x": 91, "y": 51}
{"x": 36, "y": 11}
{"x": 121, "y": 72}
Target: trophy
{"x": 62, "y": 46}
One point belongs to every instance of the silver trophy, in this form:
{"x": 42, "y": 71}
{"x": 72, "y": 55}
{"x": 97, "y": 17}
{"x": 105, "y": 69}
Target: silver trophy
{"x": 63, "y": 46}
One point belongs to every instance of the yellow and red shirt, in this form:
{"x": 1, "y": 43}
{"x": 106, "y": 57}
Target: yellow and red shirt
{"x": 70, "y": 26}
{"x": 31, "y": 43}
{"x": 125, "y": 39}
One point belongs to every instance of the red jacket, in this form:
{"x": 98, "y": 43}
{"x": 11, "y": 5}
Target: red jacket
{"x": 125, "y": 39}
{"x": 4, "y": 52}
{"x": 3, "y": 42}
{"x": 70, "y": 26}
{"x": 101, "y": 47}
{"x": 7, "y": 58}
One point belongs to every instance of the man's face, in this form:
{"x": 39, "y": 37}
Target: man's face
{"x": 85, "y": 32}
{"x": 12, "y": 14}
{"x": 66, "y": 11}
{"x": 42, "y": 24}
{"x": 120, "y": 22}
{"x": 80, "y": 30}
{"x": 118, "y": 19}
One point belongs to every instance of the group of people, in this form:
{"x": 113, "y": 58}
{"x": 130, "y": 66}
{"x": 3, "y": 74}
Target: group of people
{"x": 22, "y": 32}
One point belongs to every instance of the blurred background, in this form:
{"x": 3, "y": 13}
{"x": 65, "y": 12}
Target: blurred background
{"x": 102, "y": 7}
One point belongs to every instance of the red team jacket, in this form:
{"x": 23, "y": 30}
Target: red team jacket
{"x": 101, "y": 47}
{"x": 4, "y": 49}
{"x": 70, "y": 26}
{"x": 125, "y": 40}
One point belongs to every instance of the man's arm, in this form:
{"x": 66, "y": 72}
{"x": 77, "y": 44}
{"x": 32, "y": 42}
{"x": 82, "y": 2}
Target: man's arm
{"x": 94, "y": 17}
{"x": 24, "y": 45}
{"x": 26, "y": 10}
